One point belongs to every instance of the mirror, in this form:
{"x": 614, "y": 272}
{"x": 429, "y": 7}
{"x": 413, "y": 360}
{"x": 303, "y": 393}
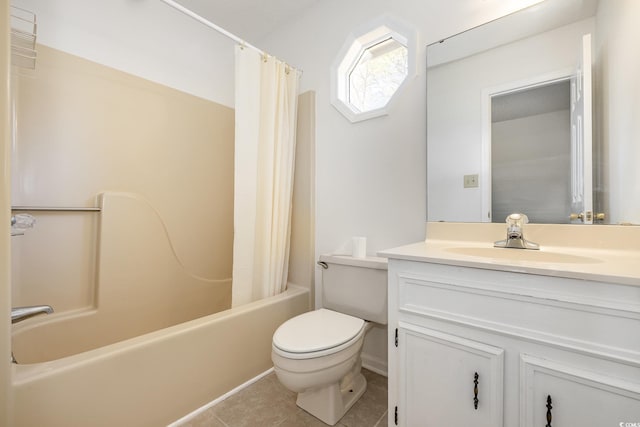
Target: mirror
{"x": 537, "y": 112}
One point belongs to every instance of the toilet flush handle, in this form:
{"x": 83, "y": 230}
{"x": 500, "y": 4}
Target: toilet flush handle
{"x": 323, "y": 264}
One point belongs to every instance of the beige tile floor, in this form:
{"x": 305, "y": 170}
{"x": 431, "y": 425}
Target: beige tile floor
{"x": 267, "y": 403}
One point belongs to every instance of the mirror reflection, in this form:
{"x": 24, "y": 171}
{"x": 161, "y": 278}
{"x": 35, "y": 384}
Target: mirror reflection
{"x": 529, "y": 113}
{"x": 531, "y": 152}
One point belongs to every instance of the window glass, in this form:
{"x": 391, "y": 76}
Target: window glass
{"x": 379, "y": 71}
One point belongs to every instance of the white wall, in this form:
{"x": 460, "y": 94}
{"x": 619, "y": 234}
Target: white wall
{"x": 371, "y": 175}
{"x": 619, "y": 124}
{"x": 142, "y": 37}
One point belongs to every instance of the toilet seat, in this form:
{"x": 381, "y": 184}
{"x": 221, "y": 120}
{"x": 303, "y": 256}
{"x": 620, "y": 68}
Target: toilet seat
{"x": 317, "y": 333}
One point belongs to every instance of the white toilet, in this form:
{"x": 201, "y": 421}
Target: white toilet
{"x": 317, "y": 354}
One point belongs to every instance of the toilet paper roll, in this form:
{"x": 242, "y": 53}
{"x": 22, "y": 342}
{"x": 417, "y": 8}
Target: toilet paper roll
{"x": 359, "y": 247}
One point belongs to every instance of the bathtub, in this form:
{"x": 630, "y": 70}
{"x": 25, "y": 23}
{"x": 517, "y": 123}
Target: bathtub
{"x": 156, "y": 378}
{"x": 157, "y": 343}
{"x": 141, "y": 285}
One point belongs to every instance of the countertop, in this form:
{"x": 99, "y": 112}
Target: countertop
{"x": 603, "y": 263}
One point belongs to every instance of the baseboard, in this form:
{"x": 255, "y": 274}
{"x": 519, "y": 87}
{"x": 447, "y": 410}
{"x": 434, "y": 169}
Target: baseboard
{"x": 209, "y": 405}
{"x": 375, "y": 364}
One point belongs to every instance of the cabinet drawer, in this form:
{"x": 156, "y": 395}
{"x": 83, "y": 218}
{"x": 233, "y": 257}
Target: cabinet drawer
{"x": 524, "y": 306}
{"x": 448, "y": 380}
{"x": 557, "y": 394}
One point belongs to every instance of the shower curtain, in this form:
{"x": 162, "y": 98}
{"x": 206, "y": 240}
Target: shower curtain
{"x": 266, "y": 94}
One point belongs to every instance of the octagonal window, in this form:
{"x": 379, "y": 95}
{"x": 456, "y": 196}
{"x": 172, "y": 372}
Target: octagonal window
{"x": 370, "y": 70}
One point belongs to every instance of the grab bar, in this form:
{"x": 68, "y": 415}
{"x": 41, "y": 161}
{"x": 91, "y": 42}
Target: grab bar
{"x": 55, "y": 209}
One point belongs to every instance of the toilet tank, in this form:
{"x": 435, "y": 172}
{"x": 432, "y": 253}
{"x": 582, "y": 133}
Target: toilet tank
{"x": 355, "y": 286}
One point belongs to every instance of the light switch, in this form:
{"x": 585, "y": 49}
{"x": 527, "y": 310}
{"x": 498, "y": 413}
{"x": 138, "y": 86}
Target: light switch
{"x": 470, "y": 181}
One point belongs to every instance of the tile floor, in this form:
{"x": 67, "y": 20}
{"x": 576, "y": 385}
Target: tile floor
{"x": 266, "y": 403}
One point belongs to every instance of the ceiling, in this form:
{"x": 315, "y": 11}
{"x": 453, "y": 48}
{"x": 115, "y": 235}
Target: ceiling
{"x": 251, "y": 20}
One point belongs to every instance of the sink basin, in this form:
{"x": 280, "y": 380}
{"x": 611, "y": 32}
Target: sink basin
{"x": 524, "y": 255}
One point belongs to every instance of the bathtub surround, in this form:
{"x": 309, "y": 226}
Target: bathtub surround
{"x": 265, "y": 145}
{"x": 142, "y": 286}
{"x": 5, "y": 219}
{"x": 84, "y": 128}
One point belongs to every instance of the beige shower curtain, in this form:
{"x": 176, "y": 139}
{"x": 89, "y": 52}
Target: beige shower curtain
{"x": 266, "y": 97}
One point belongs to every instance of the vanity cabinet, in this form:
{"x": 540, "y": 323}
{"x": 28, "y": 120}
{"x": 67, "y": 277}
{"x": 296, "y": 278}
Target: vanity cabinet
{"x": 548, "y": 351}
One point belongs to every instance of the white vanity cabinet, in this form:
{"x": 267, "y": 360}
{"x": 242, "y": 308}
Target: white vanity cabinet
{"x": 548, "y": 351}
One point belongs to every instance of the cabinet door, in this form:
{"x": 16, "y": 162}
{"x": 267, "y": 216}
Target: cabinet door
{"x": 438, "y": 384}
{"x": 558, "y": 395}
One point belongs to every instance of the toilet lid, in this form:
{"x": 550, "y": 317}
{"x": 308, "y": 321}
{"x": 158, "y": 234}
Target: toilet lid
{"x": 316, "y": 330}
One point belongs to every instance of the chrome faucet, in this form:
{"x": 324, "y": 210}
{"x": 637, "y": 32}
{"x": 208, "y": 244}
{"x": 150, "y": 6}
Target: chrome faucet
{"x": 19, "y": 314}
{"x": 515, "y": 234}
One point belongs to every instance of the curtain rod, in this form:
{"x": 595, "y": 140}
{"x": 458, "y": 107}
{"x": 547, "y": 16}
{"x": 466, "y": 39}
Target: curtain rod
{"x": 217, "y": 28}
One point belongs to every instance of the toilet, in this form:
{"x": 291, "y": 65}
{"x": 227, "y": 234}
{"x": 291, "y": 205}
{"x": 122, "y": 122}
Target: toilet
{"x": 317, "y": 354}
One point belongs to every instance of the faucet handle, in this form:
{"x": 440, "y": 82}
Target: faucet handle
{"x": 515, "y": 224}
{"x": 517, "y": 219}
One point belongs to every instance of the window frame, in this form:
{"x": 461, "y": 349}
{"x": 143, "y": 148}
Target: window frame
{"x": 355, "y": 46}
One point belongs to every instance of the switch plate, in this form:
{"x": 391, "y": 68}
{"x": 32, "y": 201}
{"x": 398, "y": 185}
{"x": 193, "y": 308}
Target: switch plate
{"x": 471, "y": 181}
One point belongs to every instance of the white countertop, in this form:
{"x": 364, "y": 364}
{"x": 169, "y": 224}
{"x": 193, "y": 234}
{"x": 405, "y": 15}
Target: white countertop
{"x": 603, "y": 264}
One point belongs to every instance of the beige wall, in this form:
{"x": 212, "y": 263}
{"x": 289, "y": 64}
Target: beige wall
{"x": 5, "y": 375}
{"x": 301, "y": 258}
{"x": 84, "y": 128}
